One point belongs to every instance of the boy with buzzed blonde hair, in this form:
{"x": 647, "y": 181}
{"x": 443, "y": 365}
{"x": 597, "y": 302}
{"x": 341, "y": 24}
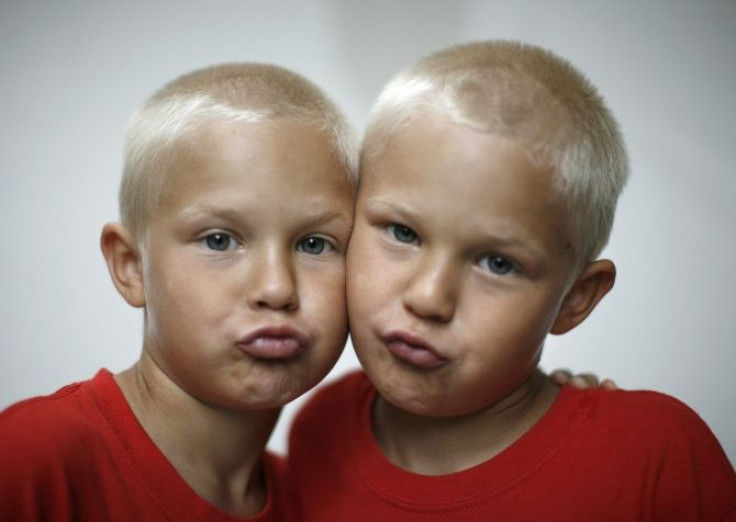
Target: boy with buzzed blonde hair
{"x": 489, "y": 179}
{"x": 236, "y": 206}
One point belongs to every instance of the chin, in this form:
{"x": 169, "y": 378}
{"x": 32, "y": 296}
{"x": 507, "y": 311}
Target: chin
{"x": 407, "y": 398}
{"x": 265, "y": 401}
{"x": 266, "y": 392}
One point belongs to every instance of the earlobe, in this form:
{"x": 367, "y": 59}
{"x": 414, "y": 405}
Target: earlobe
{"x": 124, "y": 263}
{"x": 587, "y": 291}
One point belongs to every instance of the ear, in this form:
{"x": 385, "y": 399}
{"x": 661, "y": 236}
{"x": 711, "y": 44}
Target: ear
{"x": 124, "y": 262}
{"x": 587, "y": 291}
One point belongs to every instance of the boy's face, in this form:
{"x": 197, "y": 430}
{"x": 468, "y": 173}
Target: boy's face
{"x": 457, "y": 268}
{"x": 244, "y": 265}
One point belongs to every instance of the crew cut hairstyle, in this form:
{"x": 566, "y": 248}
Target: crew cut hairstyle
{"x": 522, "y": 92}
{"x": 230, "y": 93}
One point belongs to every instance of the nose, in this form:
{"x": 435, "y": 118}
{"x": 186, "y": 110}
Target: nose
{"x": 432, "y": 289}
{"x": 273, "y": 282}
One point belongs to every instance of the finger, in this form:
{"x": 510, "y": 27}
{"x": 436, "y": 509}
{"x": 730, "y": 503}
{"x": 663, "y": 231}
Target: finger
{"x": 591, "y": 380}
{"x": 609, "y": 384}
{"x": 583, "y": 381}
{"x": 561, "y": 376}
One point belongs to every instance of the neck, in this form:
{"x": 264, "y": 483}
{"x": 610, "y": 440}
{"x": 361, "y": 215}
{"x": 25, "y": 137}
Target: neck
{"x": 444, "y": 445}
{"x": 216, "y": 451}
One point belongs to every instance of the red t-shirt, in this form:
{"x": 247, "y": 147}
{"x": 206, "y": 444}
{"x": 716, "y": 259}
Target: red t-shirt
{"x": 81, "y": 455}
{"x": 595, "y": 456}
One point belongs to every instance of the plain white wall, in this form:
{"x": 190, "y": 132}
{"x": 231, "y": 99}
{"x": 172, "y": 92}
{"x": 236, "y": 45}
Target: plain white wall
{"x": 73, "y": 71}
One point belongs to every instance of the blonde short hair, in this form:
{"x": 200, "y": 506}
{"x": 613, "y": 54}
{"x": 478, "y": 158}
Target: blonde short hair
{"x": 235, "y": 93}
{"x": 522, "y": 92}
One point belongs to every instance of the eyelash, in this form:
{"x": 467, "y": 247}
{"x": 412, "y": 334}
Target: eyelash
{"x": 502, "y": 267}
{"x": 494, "y": 264}
{"x": 395, "y": 229}
{"x": 325, "y": 243}
{"x": 207, "y": 241}
{"x": 211, "y": 240}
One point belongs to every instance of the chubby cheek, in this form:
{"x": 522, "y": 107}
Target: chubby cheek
{"x": 507, "y": 346}
{"x": 180, "y": 305}
{"x": 323, "y": 300}
{"x": 368, "y": 276}
{"x": 160, "y": 304}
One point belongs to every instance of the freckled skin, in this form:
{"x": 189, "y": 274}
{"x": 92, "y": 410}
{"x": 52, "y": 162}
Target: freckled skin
{"x": 472, "y": 200}
{"x": 267, "y": 186}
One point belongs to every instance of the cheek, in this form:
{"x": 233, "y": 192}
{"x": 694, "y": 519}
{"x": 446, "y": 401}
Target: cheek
{"x": 324, "y": 305}
{"x": 526, "y": 322}
{"x": 180, "y": 301}
{"x": 323, "y": 297}
{"x": 367, "y": 274}
{"x": 158, "y": 289}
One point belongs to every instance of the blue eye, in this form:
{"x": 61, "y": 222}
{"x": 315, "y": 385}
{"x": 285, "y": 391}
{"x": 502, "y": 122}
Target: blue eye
{"x": 403, "y": 234}
{"x": 219, "y": 241}
{"x": 496, "y": 264}
{"x": 314, "y": 245}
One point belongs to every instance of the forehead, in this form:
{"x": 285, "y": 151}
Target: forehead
{"x": 431, "y": 151}
{"x": 464, "y": 181}
{"x": 276, "y": 160}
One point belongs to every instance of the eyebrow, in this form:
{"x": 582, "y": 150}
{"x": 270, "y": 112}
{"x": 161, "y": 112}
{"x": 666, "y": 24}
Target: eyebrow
{"x": 380, "y": 205}
{"x": 497, "y": 240}
{"x": 513, "y": 243}
{"x": 228, "y": 213}
{"x": 325, "y": 217}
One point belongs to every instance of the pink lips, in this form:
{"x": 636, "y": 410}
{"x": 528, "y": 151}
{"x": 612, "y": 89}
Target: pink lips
{"x": 274, "y": 342}
{"x": 413, "y": 349}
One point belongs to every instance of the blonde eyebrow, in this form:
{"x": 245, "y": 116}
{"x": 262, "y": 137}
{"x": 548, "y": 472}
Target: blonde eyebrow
{"x": 325, "y": 217}
{"x": 228, "y": 213}
{"x": 379, "y": 205}
{"x": 513, "y": 243}
{"x": 498, "y": 240}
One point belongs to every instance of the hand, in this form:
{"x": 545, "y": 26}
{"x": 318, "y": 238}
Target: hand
{"x": 581, "y": 381}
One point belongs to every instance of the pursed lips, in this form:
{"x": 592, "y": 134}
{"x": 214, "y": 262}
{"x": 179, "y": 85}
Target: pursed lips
{"x": 413, "y": 349}
{"x": 274, "y": 342}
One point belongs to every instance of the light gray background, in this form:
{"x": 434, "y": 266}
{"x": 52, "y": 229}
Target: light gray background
{"x": 73, "y": 71}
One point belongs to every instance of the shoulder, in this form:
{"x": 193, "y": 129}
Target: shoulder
{"x": 38, "y": 412}
{"x": 280, "y": 484}
{"x": 649, "y": 410}
{"x": 275, "y": 467}
{"x": 654, "y": 442}
{"x": 691, "y": 470}
{"x": 331, "y": 403}
{"x": 45, "y": 445}
{"x": 355, "y": 380}
{"x": 649, "y": 426}
{"x": 44, "y": 428}
{"x": 339, "y": 393}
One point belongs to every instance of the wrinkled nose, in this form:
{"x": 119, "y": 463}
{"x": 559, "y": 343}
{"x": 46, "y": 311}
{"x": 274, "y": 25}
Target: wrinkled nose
{"x": 273, "y": 282}
{"x": 432, "y": 289}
